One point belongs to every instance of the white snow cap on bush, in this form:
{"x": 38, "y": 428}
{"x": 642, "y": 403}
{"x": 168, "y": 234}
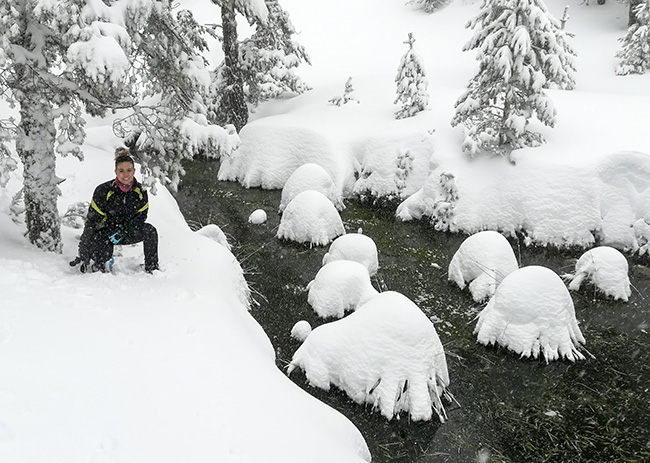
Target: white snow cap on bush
{"x": 310, "y": 218}
{"x": 339, "y": 286}
{"x": 301, "y": 330}
{"x": 257, "y": 217}
{"x": 215, "y": 233}
{"x": 354, "y": 246}
{"x": 483, "y": 260}
{"x": 532, "y": 313}
{"x": 606, "y": 268}
{"x": 310, "y": 176}
{"x": 387, "y": 353}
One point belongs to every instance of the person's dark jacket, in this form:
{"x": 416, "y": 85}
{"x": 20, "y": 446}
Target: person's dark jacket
{"x": 112, "y": 209}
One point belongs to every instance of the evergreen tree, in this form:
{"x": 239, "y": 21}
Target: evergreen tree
{"x": 59, "y": 58}
{"x": 229, "y": 102}
{"x": 412, "y": 83}
{"x": 635, "y": 49}
{"x": 269, "y": 57}
{"x": 521, "y": 51}
{"x": 429, "y": 6}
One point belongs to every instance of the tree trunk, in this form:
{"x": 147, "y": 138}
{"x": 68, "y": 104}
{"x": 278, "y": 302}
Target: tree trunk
{"x": 632, "y": 19}
{"x": 35, "y": 147}
{"x": 232, "y": 103}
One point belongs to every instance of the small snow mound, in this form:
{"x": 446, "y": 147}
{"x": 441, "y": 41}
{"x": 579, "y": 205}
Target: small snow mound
{"x": 607, "y": 269}
{"x": 310, "y": 176}
{"x": 257, "y": 217}
{"x": 213, "y": 232}
{"x": 387, "y": 353}
{"x": 310, "y": 218}
{"x": 354, "y": 246}
{"x": 339, "y": 286}
{"x": 532, "y": 312}
{"x": 301, "y": 330}
{"x": 483, "y": 260}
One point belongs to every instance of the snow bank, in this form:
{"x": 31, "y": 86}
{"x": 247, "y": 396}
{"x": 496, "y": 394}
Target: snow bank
{"x": 339, "y": 286}
{"x": 354, "y": 246}
{"x": 606, "y": 268}
{"x": 532, "y": 313}
{"x": 387, "y": 354}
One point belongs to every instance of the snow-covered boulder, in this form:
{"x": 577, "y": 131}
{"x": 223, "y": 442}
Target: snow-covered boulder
{"x": 354, "y": 246}
{"x": 310, "y": 218}
{"x": 301, "y": 330}
{"x": 339, "y": 286}
{"x": 606, "y": 268}
{"x": 215, "y": 233}
{"x": 311, "y": 176}
{"x": 483, "y": 260}
{"x": 387, "y": 354}
{"x": 532, "y": 313}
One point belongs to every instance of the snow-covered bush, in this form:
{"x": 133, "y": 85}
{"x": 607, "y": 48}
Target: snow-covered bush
{"x": 310, "y": 176}
{"x": 483, "y": 260}
{"x": 606, "y": 268}
{"x": 532, "y": 313}
{"x": 387, "y": 353}
{"x": 642, "y": 234}
{"x": 354, "y": 246}
{"x": 339, "y": 286}
{"x": 310, "y": 218}
{"x": 215, "y": 233}
{"x": 436, "y": 200}
{"x": 301, "y": 330}
{"x": 75, "y": 216}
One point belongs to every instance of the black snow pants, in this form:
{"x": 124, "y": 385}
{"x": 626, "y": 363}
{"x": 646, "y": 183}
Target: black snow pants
{"x": 96, "y": 244}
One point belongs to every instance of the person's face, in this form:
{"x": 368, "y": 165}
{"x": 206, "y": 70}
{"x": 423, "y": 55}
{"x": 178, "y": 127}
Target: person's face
{"x": 125, "y": 172}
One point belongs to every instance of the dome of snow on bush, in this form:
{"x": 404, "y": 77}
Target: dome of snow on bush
{"x": 387, "y": 354}
{"x": 532, "y": 314}
{"x": 310, "y": 176}
{"x": 606, "y": 268}
{"x": 310, "y": 218}
{"x": 354, "y": 246}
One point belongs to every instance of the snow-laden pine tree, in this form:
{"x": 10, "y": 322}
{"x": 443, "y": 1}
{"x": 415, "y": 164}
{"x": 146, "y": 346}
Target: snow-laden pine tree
{"x": 412, "y": 83}
{"x": 58, "y": 59}
{"x": 228, "y": 105}
{"x": 269, "y": 58}
{"x": 521, "y": 50}
{"x": 635, "y": 49}
{"x": 429, "y": 6}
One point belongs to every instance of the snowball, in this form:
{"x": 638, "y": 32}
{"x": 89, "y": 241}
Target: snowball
{"x": 606, "y": 268}
{"x": 339, "y": 286}
{"x": 301, "y": 330}
{"x": 310, "y": 176}
{"x": 354, "y": 246}
{"x": 257, "y": 217}
{"x": 387, "y": 353}
{"x": 532, "y": 312}
{"x": 213, "y": 232}
{"x": 483, "y": 260}
{"x": 310, "y": 217}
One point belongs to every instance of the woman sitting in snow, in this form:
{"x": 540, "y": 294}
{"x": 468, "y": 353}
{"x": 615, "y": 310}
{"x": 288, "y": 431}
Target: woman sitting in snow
{"x": 117, "y": 215}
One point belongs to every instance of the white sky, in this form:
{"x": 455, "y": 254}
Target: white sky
{"x": 131, "y": 367}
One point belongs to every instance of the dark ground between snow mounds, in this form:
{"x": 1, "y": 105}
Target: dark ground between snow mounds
{"x": 512, "y": 410}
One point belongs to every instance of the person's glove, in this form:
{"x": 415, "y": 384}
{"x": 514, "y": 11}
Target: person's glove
{"x": 116, "y": 237}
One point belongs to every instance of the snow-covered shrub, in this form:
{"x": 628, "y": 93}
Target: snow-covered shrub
{"x": 75, "y": 216}
{"x": 310, "y": 218}
{"x": 257, "y": 217}
{"x": 387, "y": 353}
{"x": 301, "y": 330}
{"x": 347, "y": 94}
{"x": 310, "y": 176}
{"x": 354, "y": 246}
{"x": 436, "y": 200}
{"x": 483, "y": 260}
{"x": 532, "y": 313}
{"x": 606, "y": 268}
{"x": 339, "y": 286}
{"x": 642, "y": 234}
{"x": 215, "y": 233}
